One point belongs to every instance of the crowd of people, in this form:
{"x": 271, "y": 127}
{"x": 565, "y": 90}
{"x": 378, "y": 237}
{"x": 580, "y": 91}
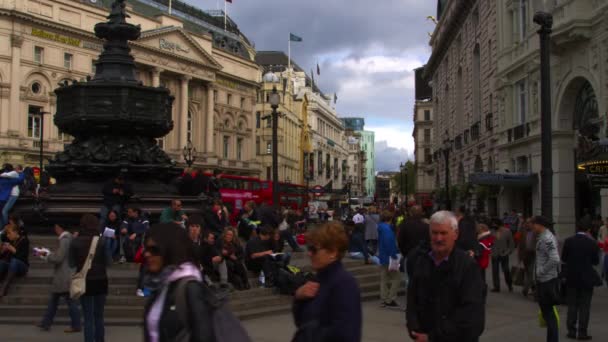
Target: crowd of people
{"x": 190, "y": 259}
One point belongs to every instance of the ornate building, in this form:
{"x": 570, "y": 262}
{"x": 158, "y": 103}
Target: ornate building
{"x": 461, "y": 71}
{"x": 290, "y": 121}
{"x": 423, "y": 137}
{"x": 579, "y": 97}
{"x": 211, "y": 72}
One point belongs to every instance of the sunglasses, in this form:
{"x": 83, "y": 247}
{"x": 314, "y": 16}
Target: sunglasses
{"x": 153, "y": 250}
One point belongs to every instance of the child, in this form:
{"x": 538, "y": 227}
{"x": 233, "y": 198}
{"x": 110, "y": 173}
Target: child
{"x": 486, "y": 241}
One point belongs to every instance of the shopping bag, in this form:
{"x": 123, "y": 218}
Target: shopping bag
{"x": 394, "y": 264}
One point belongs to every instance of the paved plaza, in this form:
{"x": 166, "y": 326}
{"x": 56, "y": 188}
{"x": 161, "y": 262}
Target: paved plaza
{"x": 509, "y": 318}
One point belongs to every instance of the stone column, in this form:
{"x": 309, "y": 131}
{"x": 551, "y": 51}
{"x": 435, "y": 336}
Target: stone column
{"x": 209, "y": 148}
{"x": 12, "y": 121}
{"x": 183, "y": 116}
{"x": 156, "y": 76}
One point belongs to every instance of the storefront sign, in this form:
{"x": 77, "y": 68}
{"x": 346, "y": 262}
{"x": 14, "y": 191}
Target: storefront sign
{"x": 55, "y": 37}
{"x": 171, "y": 46}
{"x": 598, "y": 182}
{"x": 504, "y": 179}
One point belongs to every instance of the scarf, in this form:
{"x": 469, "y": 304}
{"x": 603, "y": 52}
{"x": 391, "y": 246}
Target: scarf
{"x": 169, "y": 275}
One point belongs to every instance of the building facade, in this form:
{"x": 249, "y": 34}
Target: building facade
{"x": 290, "y": 124}
{"x": 368, "y": 147}
{"x": 461, "y": 71}
{"x": 211, "y": 72}
{"x": 579, "y": 97}
{"x": 355, "y": 164}
{"x": 423, "y": 137}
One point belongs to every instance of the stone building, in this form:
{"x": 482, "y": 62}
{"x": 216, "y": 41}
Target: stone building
{"x": 461, "y": 71}
{"x": 290, "y": 122}
{"x": 211, "y": 72}
{"x": 423, "y": 137}
{"x": 579, "y": 97}
{"x": 355, "y": 166}
{"x": 367, "y": 145}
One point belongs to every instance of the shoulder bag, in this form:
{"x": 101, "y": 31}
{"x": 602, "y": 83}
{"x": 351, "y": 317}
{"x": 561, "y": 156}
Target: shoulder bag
{"x": 78, "y": 285}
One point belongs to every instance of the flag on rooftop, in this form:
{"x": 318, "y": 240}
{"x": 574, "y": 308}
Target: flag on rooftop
{"x": 294, "y": 38}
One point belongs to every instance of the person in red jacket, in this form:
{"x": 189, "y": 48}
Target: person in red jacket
{"x": 604, "y": 246}
{"x": 486, "y": 241}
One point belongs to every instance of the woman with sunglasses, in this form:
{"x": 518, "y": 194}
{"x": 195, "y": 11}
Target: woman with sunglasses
{"x": 329, "y": 308}
{"x": 170, "y": 260}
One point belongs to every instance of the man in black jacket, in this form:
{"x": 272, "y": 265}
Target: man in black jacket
{"x": 115, "y": 194}
{"x": 467, "y": 232}
{"x": 580, "y": 254}
{"x": 445, "y": 293}
{"x": 412, "y": 231}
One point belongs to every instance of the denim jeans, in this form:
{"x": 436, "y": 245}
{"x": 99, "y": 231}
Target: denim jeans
{"x": 551, "y": 319}
{"x": 92, "y": 311}
{"x": 358, "y": 244}
{"x": 51, "y": 310}
{"x": 5, "y": 210}
{"x": 287, "y": 236}
{"x": 14, "y": 265}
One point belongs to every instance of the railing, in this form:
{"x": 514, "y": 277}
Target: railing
{"x": 518, "y": 132}
{"x": 36, "y": 144}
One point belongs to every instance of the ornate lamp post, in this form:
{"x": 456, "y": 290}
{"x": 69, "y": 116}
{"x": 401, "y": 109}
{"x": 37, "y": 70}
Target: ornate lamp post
{"x": 274, "y": 100}
{"x": 545, "y": 20}
{"x": 447, "y": 148}
{"x": 41, "y": 114}
{"x": 189, "y": 153}
{"x": 403, "y": 172}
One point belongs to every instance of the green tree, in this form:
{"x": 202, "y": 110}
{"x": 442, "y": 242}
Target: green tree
{"x": 399, "y": 178}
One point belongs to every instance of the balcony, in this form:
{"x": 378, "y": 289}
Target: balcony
{"x": 475, "y": 130}
{"x": 518, "y": 132}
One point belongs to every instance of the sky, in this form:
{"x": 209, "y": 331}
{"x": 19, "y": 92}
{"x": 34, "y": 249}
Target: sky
{"x": 366, "y": 50}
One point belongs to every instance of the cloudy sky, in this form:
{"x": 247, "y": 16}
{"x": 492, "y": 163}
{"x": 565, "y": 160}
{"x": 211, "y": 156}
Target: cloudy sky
{"x": 366, "y": 49}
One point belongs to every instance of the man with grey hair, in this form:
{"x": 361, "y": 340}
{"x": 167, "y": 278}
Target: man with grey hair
{"x": 460, "y": 314}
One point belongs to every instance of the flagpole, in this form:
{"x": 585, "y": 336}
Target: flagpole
{"x": 225, "y": 9}
{"x": 170, "y": 7}
{"x": 289, "y": 52}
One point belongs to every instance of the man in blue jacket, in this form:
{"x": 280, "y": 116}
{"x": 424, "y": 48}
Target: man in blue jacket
{"x": 387, "y": 250}
{"x": 9, "y": 190}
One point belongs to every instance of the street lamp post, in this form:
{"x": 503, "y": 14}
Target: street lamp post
{"x": 447, "y": 146}
{"x": 274, "y": 100}
{"x": 545, "y": 20}
{"x": 189, "y": 153}
{"x": 402, "y": 168}
{"x": 41, "y": 114}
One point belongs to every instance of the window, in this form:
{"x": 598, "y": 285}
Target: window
{"x": 427, "y": 155}
{"x": 521, "y": 91}
{"x": 226, "y": 146}
{"x": 258, "y": 118}
{"x": 427, "y": 115}
{"x": 67, "y": 60}
{"x": 427, "y": 135}
{"x": 38, "y": 54}
{"x": 189, "y": 127}
{"x": 215, "y": 96}
{"x": 239, "y": 149}
{"x": 267, "y": 173}
{"x": 33, "y": 122}
{"x": 36, "y": 88}
{"x": 476, "y": 84}
{"x": 476, "y": 18}
{"x": 93, "y": 66}
{"x": 268, "y": 148}
{"x": 523, "y": 19}
{"x": 229, "y": 99}
{"x": 268, "y": 121}
{"x": 320, "y": 162}
{"x": 257, "y": 145}
{"x": 242, "y": 102}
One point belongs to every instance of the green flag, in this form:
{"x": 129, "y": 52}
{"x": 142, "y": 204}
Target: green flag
{"x": 294, "y": 38}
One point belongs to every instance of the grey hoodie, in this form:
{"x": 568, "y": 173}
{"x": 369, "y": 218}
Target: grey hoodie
{"x": 547, "y": 257}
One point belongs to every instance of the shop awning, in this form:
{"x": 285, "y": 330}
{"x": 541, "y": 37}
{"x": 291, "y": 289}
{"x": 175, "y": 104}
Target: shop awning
{"x": 504, "y": 179}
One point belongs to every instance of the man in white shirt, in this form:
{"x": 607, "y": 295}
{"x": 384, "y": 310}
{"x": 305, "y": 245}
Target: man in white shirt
{"x": 358, "y": 218}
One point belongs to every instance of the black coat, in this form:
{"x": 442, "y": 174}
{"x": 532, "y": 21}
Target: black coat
{"x": 579, "y": 254}
{"x": 467, "y": 235}
{"x": 337, "y": 306}
{"x": 169, "y": 325}
{"x": 97, "y": 278}
{"x": 110, "y": 199}
{"x": 214, "y": 223}
{"x": 412, "y": 232}
{"x": 446, "y": 301}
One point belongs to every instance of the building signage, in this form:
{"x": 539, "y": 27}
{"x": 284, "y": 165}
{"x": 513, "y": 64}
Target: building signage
{"x": 504, "y": 179}
{"x": 230, "y": 84}
{"x": 55, "y": 37}
{"x": 171, "y": 46}
{"x": 92, "y": 46}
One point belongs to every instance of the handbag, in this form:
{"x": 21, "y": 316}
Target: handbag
{"x": 518, "y": 273}
{"x": 78, "y": 285}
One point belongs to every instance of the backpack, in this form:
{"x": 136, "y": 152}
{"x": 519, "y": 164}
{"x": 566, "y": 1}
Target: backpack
{"x": 226, "y": 327}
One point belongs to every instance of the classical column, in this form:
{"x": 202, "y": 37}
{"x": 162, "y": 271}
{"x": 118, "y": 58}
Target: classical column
{"x": 209, "y": 148}
{"x": 156, "y": 76}
{"x": 12, "y": 120}
{"x": 183, "y": 106}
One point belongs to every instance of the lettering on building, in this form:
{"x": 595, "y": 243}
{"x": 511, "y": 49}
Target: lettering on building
{"x": 92, "y": 46}
{"x": 230, "y": 84}
{"x": 55, "y": 37}
{"x": 172, "y": 46}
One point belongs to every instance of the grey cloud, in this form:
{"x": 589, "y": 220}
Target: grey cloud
{"x": 388, "y": 158}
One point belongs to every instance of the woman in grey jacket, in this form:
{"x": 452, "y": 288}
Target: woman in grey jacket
{"x": 546, "y": 271}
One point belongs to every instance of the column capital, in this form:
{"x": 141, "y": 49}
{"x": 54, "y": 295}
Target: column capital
{"x": 185, "y": 78}
{"x": 16, "y": 41}
{"x": 157, "y": 70}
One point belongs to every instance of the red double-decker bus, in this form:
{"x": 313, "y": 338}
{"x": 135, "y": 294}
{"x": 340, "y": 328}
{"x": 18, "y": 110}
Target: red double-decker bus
{"x": 291, "y": 196}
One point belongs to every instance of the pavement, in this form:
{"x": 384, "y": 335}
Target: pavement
{"x": 509, "y": 317}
